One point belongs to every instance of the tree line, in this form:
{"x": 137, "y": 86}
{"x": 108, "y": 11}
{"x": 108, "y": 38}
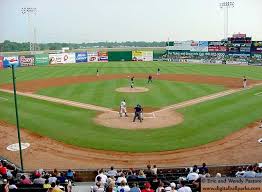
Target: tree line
{"x": 9, "y": 46}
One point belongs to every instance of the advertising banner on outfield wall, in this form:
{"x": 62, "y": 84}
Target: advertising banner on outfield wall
{"x": 41, "y": 59}
{"x": 180, "y": 46}
{"x": 10, "y": 61}
{"x": 137, "y": 55}
{"x": 199, "y": 46}
{"x": 148, "y": 56}
{"x": 256, "y": 47}
{"x": 102, "y": 56}
{"x": 1, "y": 62}
{"x": 217, "y": 46}
{"x": 69, "y": 58}
{"x": 26, "y": 60}
{"x": 56, "y": 58}
{"x": 81, "y": 57}
{"x": 92, "y": 56}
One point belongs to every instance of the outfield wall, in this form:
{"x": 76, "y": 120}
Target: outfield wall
{"x": 73, "y": 57}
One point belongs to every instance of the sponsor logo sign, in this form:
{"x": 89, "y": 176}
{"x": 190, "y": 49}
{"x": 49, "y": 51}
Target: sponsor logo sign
{"x": 69, "y": 58}
{"x": 103, "y": 56}
{"x": 10, "y": 61}
{"x": 148, "y": 56}
{"x": 41, "y": 59}
{"x": 256, "y": 47}
{"x": 137, "y": 55}
{"x": 92, "y": 57}
{"x": 56, "y": 58}
{"x": 1, "y": 62}
{"x": 26, "y": 60}
{"x": 81, "y": 57}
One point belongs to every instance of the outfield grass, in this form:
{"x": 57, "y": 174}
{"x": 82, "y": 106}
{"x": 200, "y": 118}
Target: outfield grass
{"x": 102, "y": 93}
{"x": 203, "y": 123}
{"x": 29, "y": 73}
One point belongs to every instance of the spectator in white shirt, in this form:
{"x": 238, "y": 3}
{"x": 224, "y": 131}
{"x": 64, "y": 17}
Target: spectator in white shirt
{"x": 102, "y": 175}
{"x": 249, "y": 173}
{"x": 154, "y": 170}
{"x": 184, "y": 188}
{"x": 240, "y": 172}
{"x": 259, "y": 172}
{"x": 123, "y": 187}
{"x": 193, "y": 175}
{"x": 121, "y": 178}
{"x": 112, "y": 172}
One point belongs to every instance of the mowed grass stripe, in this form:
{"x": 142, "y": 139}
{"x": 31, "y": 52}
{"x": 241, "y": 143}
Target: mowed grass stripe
{"x": 102, "y": 93}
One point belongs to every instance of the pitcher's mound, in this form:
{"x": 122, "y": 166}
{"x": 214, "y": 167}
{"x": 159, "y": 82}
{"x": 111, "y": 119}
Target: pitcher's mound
{"x": 151, "y": 120}
{"x": 132, "y": 90}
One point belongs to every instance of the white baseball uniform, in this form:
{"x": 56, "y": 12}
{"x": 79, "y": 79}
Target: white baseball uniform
{"x": 122, "y": 107}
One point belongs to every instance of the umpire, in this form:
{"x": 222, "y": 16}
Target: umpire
{"x": 138, "y": 113}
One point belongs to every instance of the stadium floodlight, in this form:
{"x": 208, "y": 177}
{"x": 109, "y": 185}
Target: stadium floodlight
{"x": 29, "y": 11}
{"x": 225, "y": 6}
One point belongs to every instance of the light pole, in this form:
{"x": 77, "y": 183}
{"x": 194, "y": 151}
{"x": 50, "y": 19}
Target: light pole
{"x": 225, "y": 6}
{"x": 29, "y": 11}
{"x": 17, "y": 117}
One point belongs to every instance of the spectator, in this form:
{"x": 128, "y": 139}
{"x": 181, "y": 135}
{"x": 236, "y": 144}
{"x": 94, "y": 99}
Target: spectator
{"x": 240, "y": 172}
{"x": 171, "y": 188}
{"x": 218, "y": 175}
{"x": 148, "y": 172}
{"x": 259, "y": 172}
{"x": 193, "y": 175}
{"x": 12, "y": 184}
{"x": 112, "y": 172}
{"x": 147, "y": 188}
{"x": 155, "y": 182}
{"x": 160, "y": 187}
{"x": 61, "y": 177}
{"x": 135, "y": 188}
{"x": 123, "y": 187}
{"x": 111, "y": 187}
{"x": 54, "y": 188}
{"x": 131, "y": 175}
{"x": 68, "y": 185}
{"x": 121, "y": 178}
{"x": 102, "y": 175}
{"x": 249, "y": 173}
{"x": 70, "y": 175}
{"x": 3, "y": 171}
{"x": 55, "y": 172}
{"x": 141, "y": 175}
{"x": 52, "y": 179}
{"x": 39, "y": 180}
{"x": 204, "y": 168}
{"x": 25, "y": 180}
{"x": 5, "y": 186}
{"x": 183, "y": 187}
{"x": 46, "y": 185}
{"x": 154, "y": 170}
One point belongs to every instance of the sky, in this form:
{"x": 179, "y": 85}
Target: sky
{"x": 77, "y": 21}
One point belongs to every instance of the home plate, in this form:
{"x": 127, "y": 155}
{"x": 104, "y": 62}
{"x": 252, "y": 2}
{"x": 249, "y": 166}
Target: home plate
{"x": 15, "y": 146}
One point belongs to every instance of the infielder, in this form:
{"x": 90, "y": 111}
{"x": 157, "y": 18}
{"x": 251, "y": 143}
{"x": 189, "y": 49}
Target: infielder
{"x": 150, "y": 79}
{"x": 132, "y": 82}
{"x": 123, "y": 108}
{"x": 244, "y": 82}
{"x": 97, "y": 72}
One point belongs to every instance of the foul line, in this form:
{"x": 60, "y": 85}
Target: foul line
{"x": 3, "y": 99}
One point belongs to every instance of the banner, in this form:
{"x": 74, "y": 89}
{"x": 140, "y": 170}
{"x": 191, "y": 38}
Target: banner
{"x": 102, "y": 56}
{"x": 180, "y": 46}
{"x": 56, "y": 58}
{"x": 199, "y": 46}
{"x": 69, "y": 58}
{"x": 92, "y": 57}
{"x": 137, "y": 55}
{"x": 10, "y": 61}
{"x": 256, "y": 47}
{"x": 217, "y": 46}
{"x": 1, "y": 62}
{"x": 81, "y": 57}
{"x": 26, "y": 60}
{"x": 148, "y": 55}
{"x": 41, "y": 59}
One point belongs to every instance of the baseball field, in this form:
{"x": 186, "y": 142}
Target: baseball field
{"x": 68, "y": 113}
